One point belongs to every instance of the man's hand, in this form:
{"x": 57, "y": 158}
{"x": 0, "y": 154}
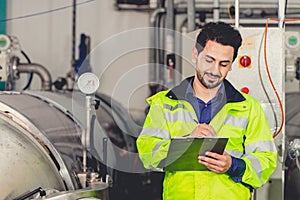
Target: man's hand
{"x": 216, "y": 162}
{"x": 203, "y": 130}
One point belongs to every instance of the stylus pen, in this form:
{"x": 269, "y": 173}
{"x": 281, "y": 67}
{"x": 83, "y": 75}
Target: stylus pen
{"x": 196, "y": 121}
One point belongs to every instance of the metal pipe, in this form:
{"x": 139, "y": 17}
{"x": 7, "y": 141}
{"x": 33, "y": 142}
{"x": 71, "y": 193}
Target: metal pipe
{"x": 38, "y": 69}
{"x": 86, "y": 138}
{"x": 73, "y": 62}
{"x": 224, "y": 5}
{"x": 281, "y": 13}
{"x": 237, "y": 13}
{"x": 169, "y": 34}
{"x": 216, "y": 10}
{"x": 170, "y": 19}
{"x": 191, "y": 15}
{"x": 154, "y": 43}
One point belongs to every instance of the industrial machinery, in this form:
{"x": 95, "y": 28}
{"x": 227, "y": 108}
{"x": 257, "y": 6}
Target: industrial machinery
{"x": 42, "y": 151}
{"x": 66, "y": 144}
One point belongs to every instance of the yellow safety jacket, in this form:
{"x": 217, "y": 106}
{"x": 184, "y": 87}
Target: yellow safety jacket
{"x": 241, "y": 119}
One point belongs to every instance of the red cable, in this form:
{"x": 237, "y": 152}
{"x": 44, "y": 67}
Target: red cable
{"x": 270, "y": 78}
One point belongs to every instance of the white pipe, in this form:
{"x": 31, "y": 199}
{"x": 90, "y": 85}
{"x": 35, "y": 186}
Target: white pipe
{"x": 216, "y": 10}
{"x": 281, "y": 10}
{"x": 191, "y": 15}
{"x": 237, "y": 13}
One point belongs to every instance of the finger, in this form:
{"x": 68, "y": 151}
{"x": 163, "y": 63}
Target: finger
{"x": 209, "y": 130}
{"x": 200, "y": 131}
{"x": 214, "y": 168}
{"x": 217, "y": 168}
{"x": 209, "y": 160}
{"x": 211, "y": 165}
{"x": 215, "y": 155}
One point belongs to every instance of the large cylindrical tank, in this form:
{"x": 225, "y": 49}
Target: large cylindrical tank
{"x": 41, "y": 146}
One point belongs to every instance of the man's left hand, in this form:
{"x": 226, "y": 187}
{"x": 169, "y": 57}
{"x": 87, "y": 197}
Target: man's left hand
{"x": 216, "y": 162}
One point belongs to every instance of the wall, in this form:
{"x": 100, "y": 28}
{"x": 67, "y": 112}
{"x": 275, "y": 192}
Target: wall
{"x": 47, "y": 39}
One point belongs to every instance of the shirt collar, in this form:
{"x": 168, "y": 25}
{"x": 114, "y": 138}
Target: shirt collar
{"x": 190, "y": 91}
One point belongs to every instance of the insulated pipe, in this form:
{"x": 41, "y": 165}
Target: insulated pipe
{"x": 38, "y": 69}
{"x": 191, "y": 15}
{"x": 73, "y": 62}
{"x": 170, "y": 19}
{"x": 169, "y": 34}
{"x": 216, "y": 10}
{"x": 281, "y": 12}
{"x": 153, "y": 70}
{"x": 237, "y": 13}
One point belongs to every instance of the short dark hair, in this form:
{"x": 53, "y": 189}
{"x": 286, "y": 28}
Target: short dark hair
{"x": 220, "y": 32}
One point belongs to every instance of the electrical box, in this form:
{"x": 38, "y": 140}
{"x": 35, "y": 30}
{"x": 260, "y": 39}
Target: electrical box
{"x": 255, "y": 75}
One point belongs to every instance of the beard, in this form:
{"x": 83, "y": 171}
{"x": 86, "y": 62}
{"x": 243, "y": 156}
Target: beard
{"x": 209, "y": 84}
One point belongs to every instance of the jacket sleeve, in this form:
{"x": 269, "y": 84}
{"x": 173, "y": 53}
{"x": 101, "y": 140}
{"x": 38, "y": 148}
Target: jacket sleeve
{"x": 260, "y": 150}
{"x": 154, "y": 140}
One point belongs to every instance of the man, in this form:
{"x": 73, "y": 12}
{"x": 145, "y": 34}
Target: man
{"x": 219, "y": 110}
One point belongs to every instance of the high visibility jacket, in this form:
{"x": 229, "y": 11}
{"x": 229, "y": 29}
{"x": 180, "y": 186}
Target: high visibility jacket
{"x": 241, "y": 120}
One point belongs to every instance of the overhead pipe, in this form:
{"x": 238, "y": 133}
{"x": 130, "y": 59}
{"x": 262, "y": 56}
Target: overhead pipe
{"x": 170, "y": 19}
{"x": 237, "y": 13}
{"x": 216, "y": 10}
{"x": 169, "y": 34}
{"x": 281, "y": 12}
{"x": 191, "y": 15}
{"x": 73, "y": 62}
{"x": 154, "y": 35}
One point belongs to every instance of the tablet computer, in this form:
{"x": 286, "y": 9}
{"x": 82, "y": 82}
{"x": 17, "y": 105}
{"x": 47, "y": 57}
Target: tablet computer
{"x": 184, "y": 151}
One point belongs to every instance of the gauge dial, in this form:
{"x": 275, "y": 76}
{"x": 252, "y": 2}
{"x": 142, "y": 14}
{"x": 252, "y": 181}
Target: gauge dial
{"x": 88, "y": 83}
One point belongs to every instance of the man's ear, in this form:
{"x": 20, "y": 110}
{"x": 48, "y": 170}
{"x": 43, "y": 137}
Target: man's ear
{"x": 194, "y": 55}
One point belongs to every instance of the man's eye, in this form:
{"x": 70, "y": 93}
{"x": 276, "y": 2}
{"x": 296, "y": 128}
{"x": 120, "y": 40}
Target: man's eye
{"x": 209, "y": 60}
{"x": 224, "y": 64}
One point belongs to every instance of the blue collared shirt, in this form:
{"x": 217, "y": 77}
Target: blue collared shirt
{"x": 205, "y": 112}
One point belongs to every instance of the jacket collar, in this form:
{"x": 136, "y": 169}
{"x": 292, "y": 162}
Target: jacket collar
{"x": 178, "y": 92}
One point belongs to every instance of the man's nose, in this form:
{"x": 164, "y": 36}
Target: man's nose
{"x": 215, "y": 68}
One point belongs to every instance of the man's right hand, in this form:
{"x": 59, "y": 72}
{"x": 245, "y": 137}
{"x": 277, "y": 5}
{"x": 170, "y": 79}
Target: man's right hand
{"x": 203, "y": 130}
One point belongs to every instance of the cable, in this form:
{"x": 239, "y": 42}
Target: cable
{"x": 229, "y": 13}
{"x": 31, "y": 74}
{"x": 44, "y": 12}
{"x": 263, "y": 85}
{"x": 270, "y": 78}
{"x": 268, "y": 72}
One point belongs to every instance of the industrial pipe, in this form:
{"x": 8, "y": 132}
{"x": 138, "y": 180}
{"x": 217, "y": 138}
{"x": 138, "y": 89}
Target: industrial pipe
{"x": 281, "y": 13}
{"x": 38, "y": 69}
{"x": 191, "y": 15}
{"x": 237, "y": 13}
{"x": 153, "y": 71}
{"x": 216, "y": 10}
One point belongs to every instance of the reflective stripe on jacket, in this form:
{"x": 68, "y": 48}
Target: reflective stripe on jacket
{"x": 241, "y": 119}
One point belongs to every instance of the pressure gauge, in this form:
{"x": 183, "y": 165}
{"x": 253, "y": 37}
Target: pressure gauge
{"x": 88, "y": 83}
{"x": 5, "y": 42}
{"x": 292, "y": 40}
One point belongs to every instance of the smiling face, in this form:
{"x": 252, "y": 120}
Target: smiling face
{"x": 213, "y": 63}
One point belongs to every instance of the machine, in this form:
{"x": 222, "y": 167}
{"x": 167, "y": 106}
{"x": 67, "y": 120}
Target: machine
{"x": 42, "y": 151}
{"x": 66, "y": 144}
